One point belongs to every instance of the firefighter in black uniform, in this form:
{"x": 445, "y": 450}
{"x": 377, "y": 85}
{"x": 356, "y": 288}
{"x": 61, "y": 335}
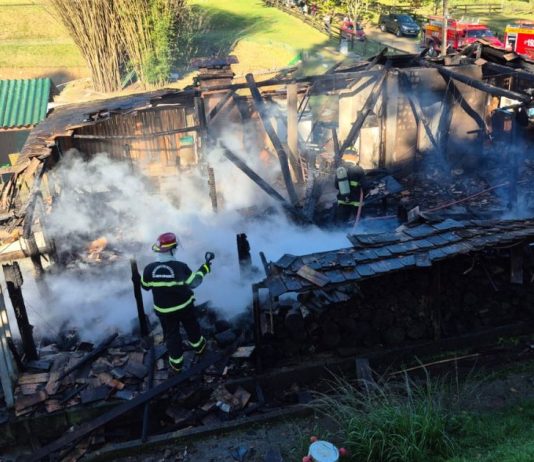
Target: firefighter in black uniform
{"x": 350, "y": 186}
{"x": 171, "y": 282}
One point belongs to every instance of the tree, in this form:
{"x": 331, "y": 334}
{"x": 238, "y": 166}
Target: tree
{"x": 117, "y": 35}
{"x": 94, "y": 27}
{"x": 356, "y": 9}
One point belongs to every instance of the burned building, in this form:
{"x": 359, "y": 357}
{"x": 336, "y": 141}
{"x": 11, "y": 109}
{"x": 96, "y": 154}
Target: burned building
{"x": 441, "y": 248}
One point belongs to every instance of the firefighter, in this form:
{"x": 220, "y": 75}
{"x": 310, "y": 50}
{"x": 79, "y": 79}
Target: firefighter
{"x": 350, "y": 179}
{"x": 172, "y": 284}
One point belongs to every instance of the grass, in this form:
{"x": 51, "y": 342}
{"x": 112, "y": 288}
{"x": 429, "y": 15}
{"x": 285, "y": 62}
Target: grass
{"x": 33, "y": 43}
{"x": 503, "y": 436}
{"x": 402, "y": 422}
{"x": 262, "y": 38}
{"x": 427, "y": 420}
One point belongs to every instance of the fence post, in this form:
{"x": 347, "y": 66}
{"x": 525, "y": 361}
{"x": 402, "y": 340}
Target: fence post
{"x": 7, "y": 368}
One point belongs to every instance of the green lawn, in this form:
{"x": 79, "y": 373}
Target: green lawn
{"x": 33, "y": 43}
{"x": 503, "y": 436}
{"x": 262, "y": 38}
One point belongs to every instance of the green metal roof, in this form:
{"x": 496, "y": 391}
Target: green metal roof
{"x": 23, "y": 102}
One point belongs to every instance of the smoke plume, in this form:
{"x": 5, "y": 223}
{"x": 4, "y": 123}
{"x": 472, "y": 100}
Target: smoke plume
{"x": 106, "y": 198}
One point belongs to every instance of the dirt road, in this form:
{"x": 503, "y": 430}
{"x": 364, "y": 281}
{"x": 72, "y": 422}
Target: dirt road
{"x": 408, "y": 44}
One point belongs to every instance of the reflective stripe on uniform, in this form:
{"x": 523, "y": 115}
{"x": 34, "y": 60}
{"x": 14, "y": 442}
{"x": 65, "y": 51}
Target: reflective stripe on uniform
{"x": 354, "y": 183}
{"x": 179, "y": 360}
{"x": 353, "y": 203}
{"x": 190, "y": 279}
{"x": 197, "y": 344}
{"x": 170, "y": 309}
{"x": 162, "y": 284}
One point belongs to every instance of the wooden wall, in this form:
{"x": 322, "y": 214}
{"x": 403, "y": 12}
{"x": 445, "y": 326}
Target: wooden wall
{"x": 147, "y": 137}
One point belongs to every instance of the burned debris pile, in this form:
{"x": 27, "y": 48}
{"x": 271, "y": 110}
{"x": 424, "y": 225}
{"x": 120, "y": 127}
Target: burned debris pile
{"x": 446, "y": 156}
{"x": 71, "y": 377}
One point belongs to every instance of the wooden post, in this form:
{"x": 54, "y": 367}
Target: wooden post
{"x": 136, "y": 280}
{"x": 7, "y": 368}
{"x": 243, "y": 254}
{"x": 212, "y": 188}
{"x": 292, "y": 130}
{"x": 14, "y": 282}
{"x": 257, "y": 325}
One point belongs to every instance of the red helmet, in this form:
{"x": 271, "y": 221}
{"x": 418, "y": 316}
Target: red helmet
{"x": 165, "y": 243}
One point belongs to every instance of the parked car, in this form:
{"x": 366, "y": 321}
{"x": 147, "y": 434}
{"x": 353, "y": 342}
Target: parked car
{"x": 399, "y": 24}
{"x": 348, "y": 31}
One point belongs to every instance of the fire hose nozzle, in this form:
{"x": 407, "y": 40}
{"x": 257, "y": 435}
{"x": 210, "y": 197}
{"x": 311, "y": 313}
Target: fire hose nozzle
{"x": 209, "y": 256}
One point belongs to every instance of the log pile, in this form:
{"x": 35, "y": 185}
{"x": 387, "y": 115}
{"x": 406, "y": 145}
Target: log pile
{"x": 398, "y": 308}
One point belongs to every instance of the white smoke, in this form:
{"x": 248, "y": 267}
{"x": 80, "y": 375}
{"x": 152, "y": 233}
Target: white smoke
{"x": 130, "y": 214}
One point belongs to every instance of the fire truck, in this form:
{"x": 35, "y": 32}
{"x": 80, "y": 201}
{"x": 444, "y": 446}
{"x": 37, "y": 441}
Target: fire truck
{"x": 460, "y": 33}
{"x": 519, "y": 37}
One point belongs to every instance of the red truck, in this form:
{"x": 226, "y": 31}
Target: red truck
{"x": 460, "y": 33}
{"x": 519, "y": 37}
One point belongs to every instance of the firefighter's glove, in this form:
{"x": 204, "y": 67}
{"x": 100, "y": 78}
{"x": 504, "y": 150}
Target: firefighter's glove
{"x": 209, "y": 258}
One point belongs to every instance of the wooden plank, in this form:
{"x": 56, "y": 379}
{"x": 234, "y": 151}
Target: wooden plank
{"x": 34, "y": 378}
{"x": 17, "y": 168}
{"x": 28, "y": 401}
{"x": 313, "y": 276}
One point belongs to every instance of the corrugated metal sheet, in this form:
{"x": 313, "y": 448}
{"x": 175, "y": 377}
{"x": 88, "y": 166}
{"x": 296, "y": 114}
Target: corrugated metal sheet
{"x": 23, "y": 102}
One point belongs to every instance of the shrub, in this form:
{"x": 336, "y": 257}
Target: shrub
{"x": 395, "y": 421}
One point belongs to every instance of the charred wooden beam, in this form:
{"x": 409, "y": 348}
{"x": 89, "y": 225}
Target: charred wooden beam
{"x": 243, "y": 254}
{"x": 292, "y": 131}
{"x": 377, "y": 58}
{"x": 87, "y": 428}
{"x": 220, "y": 105}
{"x": 136, "y": 281}
{"x": 335, "y": 140}
{"x": 457, "y": 94}
{"x": 271, "y": 132}
{"x": 200, "y": 112}
{"x": 99, "y": 350}
{"x": 333, "y": 77}
{"x": 416, "y": 108}
{"x": 505, "y": 70}
{"x": 256, "y": 307}
{"x": 81, "y": 136}
{"x": 212, "y": 188}
{"x": 7, "y": 368}
{"x": 239, "y": 163}
{"x": 265, "y": 264}
{"x": 14, "y": 281}
{"x": 146, "y": 411}
{"x": 362, "y": 115}
{"x": 479, "y": 85}
{"x": 28, "y": 209}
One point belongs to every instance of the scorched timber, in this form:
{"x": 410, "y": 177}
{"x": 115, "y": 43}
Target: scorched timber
{"x": 89, "y": 427}
{"x": 277, "y": 144}
{"x": 486, "y": 87}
